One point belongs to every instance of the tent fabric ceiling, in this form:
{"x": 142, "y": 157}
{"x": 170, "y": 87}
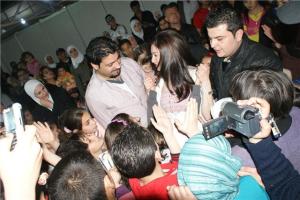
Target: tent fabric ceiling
{"x": 31, "y": 11}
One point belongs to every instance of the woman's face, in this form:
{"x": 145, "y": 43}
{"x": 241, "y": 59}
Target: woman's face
{"x": 50, "y": 60}
{"x": 41, "y": 92}
{"x": 73, "y": 53}
{"x": 89, "y": 127}
{"x": 137, "y": 26}
{"x": 155, "y": 56}
{"x": 28, "y": 58}
{"x": 251, "y": 4}
{"x": 48, "y": 74}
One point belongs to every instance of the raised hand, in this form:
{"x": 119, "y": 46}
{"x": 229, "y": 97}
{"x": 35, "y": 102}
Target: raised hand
{"x": 264, "y": 108}
{"x": 19, "y": 168}
{"x": 190, "y": 124}
{"x": 180, "y": 193}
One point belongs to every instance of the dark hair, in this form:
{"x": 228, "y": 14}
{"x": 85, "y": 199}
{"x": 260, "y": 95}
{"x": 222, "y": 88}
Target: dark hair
{"x": 99, "y": 48}
{"x": 163, "y": 7}
{"x": 77, "y": 176}
{"x": 109, "y": 17}
{"x": 174, "y": 60}
{"x": 170, "y": 5}
{"x": 24, "y": 54}
{"x": 273, "y": 86}
{"x": 133, "y": 152}
{"x": 158, "y": 137}
{"x": 226, "y": 16}
{"x": 72, "y": 120}
{"x": 42, "y": 71}
{"x": 134, "y": 3}
{"x": 115, "y": 127}
{"x": 124, "y": 41}
{"x": 60, "y": 50}
{"x": 71, "y": 145}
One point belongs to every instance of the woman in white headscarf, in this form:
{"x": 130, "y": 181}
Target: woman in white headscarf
{"x": 80, "y": 69}
{"x": 50, "y": 62}
{"x": 50, "y": 102}
{"x": 137, "y": 31}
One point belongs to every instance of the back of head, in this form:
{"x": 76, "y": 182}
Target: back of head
{"x": 115, "y": 127}
{"x": 71, "y": 120}
{"x": 175, "y": 57}
{"x": 77, "y": 176}
{"x": 133, "y": 152}
{"x": 224, "y": 16}
{"x": 99, "y": 48}
{"x": 208, "y": 168}
{"x": 275, "y": 87}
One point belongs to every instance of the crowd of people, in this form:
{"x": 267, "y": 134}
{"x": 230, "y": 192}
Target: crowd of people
{"x": 124, "y": 118}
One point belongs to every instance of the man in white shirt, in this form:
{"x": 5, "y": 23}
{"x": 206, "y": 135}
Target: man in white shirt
{"x": 117, "y": 31}
{"x": 117, "y": 83}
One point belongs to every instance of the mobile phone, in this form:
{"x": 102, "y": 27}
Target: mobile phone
{"x": 106, "y": 161}
{"x": 13, "y": 121}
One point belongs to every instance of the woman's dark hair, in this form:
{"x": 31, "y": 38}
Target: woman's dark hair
{"x": 115, "y": 127}
{"x": 273, "y": 86}
{"x": 70, "y": 121}
{"x": 175, "y": 57}
{"x": 24, "y": 54}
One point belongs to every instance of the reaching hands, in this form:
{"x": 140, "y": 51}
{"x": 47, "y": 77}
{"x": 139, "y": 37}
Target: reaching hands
{"x": 202, "y": 74}
{"x": 162, "y": 123}
{"x": 19, "y": 169}
{"x": 180, "y": 193}
{"x": 190, "y": 123}
{"x": 264, "y": 108}
{"x": 45, "y": 135}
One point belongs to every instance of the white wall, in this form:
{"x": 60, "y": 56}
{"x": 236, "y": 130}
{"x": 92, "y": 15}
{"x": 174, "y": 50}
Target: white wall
{"x": 77, "y": 24}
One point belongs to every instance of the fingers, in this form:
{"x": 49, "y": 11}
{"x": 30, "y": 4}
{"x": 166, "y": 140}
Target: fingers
{"x": 180, "y": 193}
{"x": 259, "y": 103}
{"x": 5, "y": 143}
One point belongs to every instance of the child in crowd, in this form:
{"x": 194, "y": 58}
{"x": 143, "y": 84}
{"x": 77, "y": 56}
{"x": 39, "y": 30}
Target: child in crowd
{"x": 136, "y": 155}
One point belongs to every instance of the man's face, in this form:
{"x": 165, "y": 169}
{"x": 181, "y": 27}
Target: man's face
{"x": 223, "y": 41}
{"x": 172, "y": 15}
{"x": 110, "y": 67}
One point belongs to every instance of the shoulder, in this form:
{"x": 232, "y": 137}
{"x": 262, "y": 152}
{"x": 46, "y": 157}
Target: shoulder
{"x": 95, "y": 85}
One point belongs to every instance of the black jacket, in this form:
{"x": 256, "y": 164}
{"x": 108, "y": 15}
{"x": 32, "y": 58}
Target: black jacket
{"x": 62, "y": 101}
{"x": 250, "y": 55}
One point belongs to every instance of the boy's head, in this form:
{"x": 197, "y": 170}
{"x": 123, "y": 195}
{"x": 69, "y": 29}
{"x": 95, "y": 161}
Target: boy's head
{"x": 77, "y": 176}
{"x": 135, "y": 152}
{"x": 275, "y": 87}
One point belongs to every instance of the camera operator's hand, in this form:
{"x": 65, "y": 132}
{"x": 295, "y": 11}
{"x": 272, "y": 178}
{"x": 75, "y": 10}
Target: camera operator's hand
{"x": 264, "y": 108}
{"x": 19, "y": 168}
{"x": 190, "y": 123}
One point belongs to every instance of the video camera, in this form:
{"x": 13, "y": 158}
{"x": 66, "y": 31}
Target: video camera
{"x": 243, "y": 119}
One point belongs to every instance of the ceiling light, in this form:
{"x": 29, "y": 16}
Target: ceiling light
{"x": 23, "y": 21}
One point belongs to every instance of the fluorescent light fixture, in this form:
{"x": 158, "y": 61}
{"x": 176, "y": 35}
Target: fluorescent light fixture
{"x": 23, "y": 21}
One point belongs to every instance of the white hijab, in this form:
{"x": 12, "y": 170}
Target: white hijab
{"x": 138, "y": 34}
{"x": 53, "y": 65}
{"x": 78, "y": 60}
{"x": 29, "y": 88}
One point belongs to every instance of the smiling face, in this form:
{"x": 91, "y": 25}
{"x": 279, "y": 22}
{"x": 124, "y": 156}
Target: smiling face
{"x": 90, "y": 134}
{"x": 73, "y": 53}
{"x": 41, "y": 92}
{"x": 110, "y": 66}
{"x": 223, "y": 41}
